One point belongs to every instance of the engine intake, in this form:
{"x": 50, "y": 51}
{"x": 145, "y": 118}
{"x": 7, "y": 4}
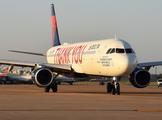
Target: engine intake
{"x": 42, "y": 77}
{"x": 140, "y": 78}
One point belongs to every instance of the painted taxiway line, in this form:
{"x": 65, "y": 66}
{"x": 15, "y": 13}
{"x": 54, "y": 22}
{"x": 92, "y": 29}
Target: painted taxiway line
{"x": 149, "y": 110}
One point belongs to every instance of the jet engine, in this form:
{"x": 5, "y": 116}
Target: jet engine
{"x": 140, "y": 78}
{"x": 42, "y": 77}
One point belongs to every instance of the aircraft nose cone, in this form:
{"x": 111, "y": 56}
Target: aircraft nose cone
{"x": 127, "y": 64}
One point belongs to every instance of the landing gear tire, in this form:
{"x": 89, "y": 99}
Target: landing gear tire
{"x": 113, "y": 89}
{"x": 118, "y": 89}
{"x": 46, "y": 89}
{"x": 54, "y": 87}
{"x": 109, "y": 87}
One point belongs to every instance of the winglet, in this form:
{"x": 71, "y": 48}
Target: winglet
{"x": 55, "y": 36}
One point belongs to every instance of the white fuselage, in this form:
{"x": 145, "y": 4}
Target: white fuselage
{"x": 92, "y": 57}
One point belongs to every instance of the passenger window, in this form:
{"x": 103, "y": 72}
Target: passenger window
{"x": 112, "y": 51}
{"x": 108, "y": 51}
{"x": 119, "y": 50}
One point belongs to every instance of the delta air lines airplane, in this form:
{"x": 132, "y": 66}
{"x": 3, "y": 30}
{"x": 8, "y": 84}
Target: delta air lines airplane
{"x": 113, "y": 58}
{"x": 3, "y": 73}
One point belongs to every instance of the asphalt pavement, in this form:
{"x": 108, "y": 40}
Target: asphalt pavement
{"x": 79, "y": 101}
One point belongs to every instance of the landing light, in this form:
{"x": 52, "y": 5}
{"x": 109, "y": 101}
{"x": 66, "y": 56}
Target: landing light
{"x": 114, "y": 78}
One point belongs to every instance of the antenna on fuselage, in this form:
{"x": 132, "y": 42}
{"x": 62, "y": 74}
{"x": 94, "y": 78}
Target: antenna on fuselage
{"x": 115, "y": 37}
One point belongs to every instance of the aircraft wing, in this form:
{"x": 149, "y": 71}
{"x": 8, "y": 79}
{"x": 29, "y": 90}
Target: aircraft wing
{"x": 148, "y": 65}
{"x": 58, "y": 68}
{"x": 17, "y": 63}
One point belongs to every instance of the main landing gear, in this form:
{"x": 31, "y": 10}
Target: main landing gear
{"x": 114, "y": 87}
{"x": 53, "y": 86}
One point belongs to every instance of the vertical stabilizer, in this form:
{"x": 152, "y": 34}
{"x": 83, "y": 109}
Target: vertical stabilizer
{"x": 4, "y": 72}
{"x": 55, "y": 36}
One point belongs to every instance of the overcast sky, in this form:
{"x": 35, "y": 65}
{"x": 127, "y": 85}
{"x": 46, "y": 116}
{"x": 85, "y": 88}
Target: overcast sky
{"x": 26, "y": 25}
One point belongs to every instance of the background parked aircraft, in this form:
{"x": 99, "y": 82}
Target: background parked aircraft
{"x": 3, "y": 73}
{"x": 24, "y": 77}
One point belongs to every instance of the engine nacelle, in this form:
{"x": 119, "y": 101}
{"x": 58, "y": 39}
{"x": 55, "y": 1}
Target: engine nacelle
{"x": 42, "y": 77}
{"x": 140, "y": 78}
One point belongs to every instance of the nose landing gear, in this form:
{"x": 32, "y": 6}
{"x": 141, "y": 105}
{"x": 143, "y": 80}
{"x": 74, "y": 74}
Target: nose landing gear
{"x": 114, "y": 87}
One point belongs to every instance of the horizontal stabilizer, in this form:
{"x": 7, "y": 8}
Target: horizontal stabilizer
{"x": 40, "y": 54}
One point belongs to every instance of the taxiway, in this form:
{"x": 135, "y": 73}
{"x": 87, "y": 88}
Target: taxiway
{"x": 79, "y": 101}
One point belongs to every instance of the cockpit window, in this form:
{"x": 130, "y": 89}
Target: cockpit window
{"x": 133, "y": 51}
{"x": 112, "y": 51}
{"x": 129, "y": 50}
{"x": 118, "y": 50}
{"x": 108, "y": 51}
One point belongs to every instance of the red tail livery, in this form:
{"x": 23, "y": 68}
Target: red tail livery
{"x": 55, "y": 36}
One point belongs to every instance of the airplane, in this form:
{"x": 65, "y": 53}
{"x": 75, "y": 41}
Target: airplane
{"x": 60, "y": 79}
{"x": 8, "y": 77}
{"x": 18, "y": 77}
{"x": 110, "y": 58}
{"x": 3, "y": 73}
